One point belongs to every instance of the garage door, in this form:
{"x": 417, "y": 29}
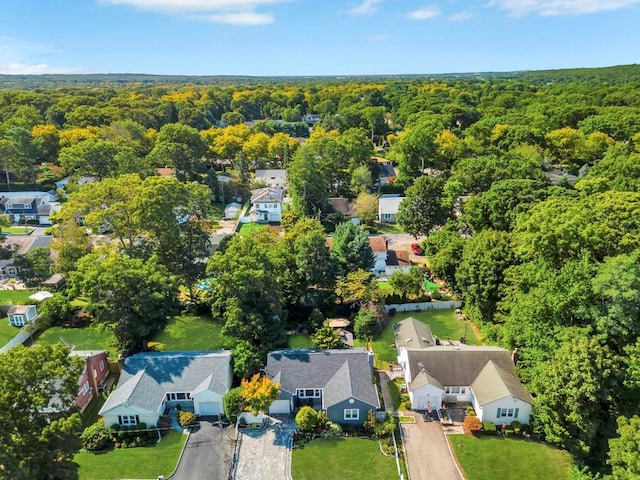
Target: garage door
{"x": 279, "y": 406}
{"x": 209, "y": 408}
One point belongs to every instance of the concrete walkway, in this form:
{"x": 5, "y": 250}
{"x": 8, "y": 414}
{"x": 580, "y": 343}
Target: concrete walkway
{"x": 427, "y": 451}
{"x": 266, "y": 453}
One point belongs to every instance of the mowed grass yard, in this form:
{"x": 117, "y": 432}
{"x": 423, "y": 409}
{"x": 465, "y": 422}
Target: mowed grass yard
{"x": 139, "y": 462}
{"x": 7, "y": 332}
{"x": 191, "y": 333}
{"x": 299, "y": 340}
{"x": 86, "y": 338}
{"x": 344, "y": 458}
{"x": 16, "y": 297}
{"x": 251, "y": 228}
{"x": 443, "y": 323}
{"x": 487, "y": 458}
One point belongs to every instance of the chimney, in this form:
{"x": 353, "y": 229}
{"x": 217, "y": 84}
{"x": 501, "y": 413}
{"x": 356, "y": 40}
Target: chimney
{"x": 514, "y": 356}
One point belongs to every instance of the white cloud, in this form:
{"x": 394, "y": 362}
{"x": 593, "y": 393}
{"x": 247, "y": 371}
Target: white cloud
{"x": 519, "y": 8}
{"x": 240, "y": 18}
{"x": 462, "y": 16}
{"x": 424, "y": 13}
{"x": 17, "y": 68}
{"x": 233, "y": 12}
{"x": 367, "y": 7}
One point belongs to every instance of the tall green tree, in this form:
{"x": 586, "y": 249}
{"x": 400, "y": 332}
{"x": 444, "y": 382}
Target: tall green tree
{"x": 422, "y": 208}
{"x": 35, "y": 266}
{"x": 36, "y": 444}
{"x": 351, "y": 248}
{"x": 624, "y": 453}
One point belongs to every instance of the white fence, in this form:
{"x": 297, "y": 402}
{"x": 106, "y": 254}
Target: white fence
{"x": 24, "y": 334}
{"x": 419, "y": 306}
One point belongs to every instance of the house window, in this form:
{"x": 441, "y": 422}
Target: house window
{"x": 128, "y": 419}
{"x": 455, "y": 390}
{"x": 351, "y": 414}
{"x": 173, "y": 397}
{"x": 507, "y": 413}
{"x": 387, "y": 216}
{"x": 18, "y": 320}
{"x": 102, "y": 365}
{"x": 309, "y": 393}
{"x": 85, "y": 388}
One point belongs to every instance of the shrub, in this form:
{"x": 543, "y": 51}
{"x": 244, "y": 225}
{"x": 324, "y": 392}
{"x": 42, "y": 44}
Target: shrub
{"x": 470, "y": 411}
{"x": 307, "y": 419}
{"x": 526, "y": 428}
{"x": 95, "y": 437}
{"x": 233, "y": 404}
{"x": 123, "y": 433}
{"x": 152, "y": 434}
{"x": 436, "y": 295}
{"x": 370, "y": 423}
{"x": 489, "y": 428}
{"x": 366, "y": 325}
{"x": 332, "y": 431}
{"x": 392, "y": 312}
{"x": 516, "y": 426}
{"x": 186, "y": 419}
{"x": 471, "y": 425}
{"x": 114, "y": 431}
{"x": 384, "y": 429}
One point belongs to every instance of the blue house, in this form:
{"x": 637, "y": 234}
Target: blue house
{"x": 339, "y": 382}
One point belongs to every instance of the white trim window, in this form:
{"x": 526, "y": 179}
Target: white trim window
{"x": 507, "y": 413}
{"x": 455, "y": 390}
{"x": 351, "y": 414}
{"x": 102, "y": 365}
{"x": 178, "y": 396}
{"x": 128, "y": 419}
{"x": 309, "y": 393}
{"x": 18, "y": 320}
{"x": 85, "y": 388}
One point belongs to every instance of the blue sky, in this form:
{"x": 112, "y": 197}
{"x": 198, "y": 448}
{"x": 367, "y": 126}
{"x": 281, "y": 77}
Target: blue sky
{"x": 315, "y": 37}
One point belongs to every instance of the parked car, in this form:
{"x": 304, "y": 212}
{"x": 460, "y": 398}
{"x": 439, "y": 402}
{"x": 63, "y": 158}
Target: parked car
{"x": 417, "y": 249}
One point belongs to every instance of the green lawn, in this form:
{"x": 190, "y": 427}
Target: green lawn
{"x": 251, "y": 228}
{"x": 382, "y": 228}
{"x": 443, "y": 323}
{"x": 7, "y": 332}
{"x": 87, "y": 338}
{"x": 139, "y": 462}
{"x": 16, "y": 297}
{"x": 20, "y": 230}
{"x": 394, "y": 389}
{"x": 345, "y": 458}
{"x": 299, "y": 341}
{"x": 191, "y": 333}
{"x": 487, "y": 458}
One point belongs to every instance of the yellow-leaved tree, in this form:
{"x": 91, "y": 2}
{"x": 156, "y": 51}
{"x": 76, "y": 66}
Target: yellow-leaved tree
{"x": 259, "y": 393}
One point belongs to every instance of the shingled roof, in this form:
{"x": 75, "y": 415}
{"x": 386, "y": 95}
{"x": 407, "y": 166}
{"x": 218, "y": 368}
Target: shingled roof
{"x": 489, "y": 371}
{"x": 342, "y": 374}
{"x": 413, "y": 333}
{"x": 147, "y": 377}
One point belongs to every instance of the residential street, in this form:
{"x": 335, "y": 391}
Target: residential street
{"x": 427, "y": 452}
{"x": 207, "y": 454}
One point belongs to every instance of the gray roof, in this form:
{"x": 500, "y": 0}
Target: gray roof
{"x": 468, "y": 366}
{"x": 424, "y": 378}
{"x": 342, "y": 374}
{"x": 267, "y": 195}
{"x": 389, "y": 205}
{"x": 147, "y": 377}
{"x": 413, "y": 333}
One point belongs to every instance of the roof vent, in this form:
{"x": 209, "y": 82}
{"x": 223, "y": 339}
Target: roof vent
{"x": 426, "y": 340}
{"x": 421, "y": 365}
{"x": 407, "y": 340}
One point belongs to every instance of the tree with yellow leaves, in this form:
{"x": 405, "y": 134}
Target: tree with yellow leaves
{"x": 259, "y": 393}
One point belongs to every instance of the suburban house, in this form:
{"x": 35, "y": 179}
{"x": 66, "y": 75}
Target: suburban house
{"x": 388, "y": 206}
{"x": 339, "y": 382}
{"x": 438, "y": 376}
{"x": 379, "y": 247}
{"x": 267, "y": 205}
{"x": 20, "y": 315}
{"x": 20, "y": 244}
{"x": 272, "y": 178}
{"x": 23, "y": 207}
{"x": 397, "y": 261}
{"x": 96, "y": 371}
{"x": 345, "y": 207}
{"x": 232, "y": 211}
{"x": 311, "y": 118}
{"x": 386, "y": 171}
{"x": 153, "y": 383}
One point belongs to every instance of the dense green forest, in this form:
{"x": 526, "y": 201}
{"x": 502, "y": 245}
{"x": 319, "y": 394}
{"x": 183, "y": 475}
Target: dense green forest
{"x": 526, "y": 185}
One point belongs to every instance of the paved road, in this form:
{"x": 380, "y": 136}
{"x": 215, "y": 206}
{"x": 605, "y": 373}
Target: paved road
{"x": 207, "y": 454}
{"x": 427, "y": 452}
{"x": 265, "y": 453}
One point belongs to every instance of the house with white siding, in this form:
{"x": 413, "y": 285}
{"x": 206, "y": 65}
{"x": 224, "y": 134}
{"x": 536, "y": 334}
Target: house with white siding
{"x": 154, "y": 383}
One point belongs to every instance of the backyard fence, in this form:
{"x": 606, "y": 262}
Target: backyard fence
{"x": 419, "y": 306}
{"x": 25, "y": 333}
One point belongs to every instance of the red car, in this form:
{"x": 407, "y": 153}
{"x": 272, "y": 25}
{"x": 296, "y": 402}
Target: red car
{"x": 417, "y": 249}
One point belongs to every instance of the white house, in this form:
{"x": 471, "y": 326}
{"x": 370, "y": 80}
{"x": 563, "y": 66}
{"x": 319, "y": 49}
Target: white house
{"x": 379, "y": 247}
{"x": 272, "y": 178}
{"x": 485, "y": 377}
{"x": 388, "y": 208}
{"x": 232, "y": 210}
{"x": 266, "y": 204}
{"x": 397, "y": 261}
{"x": 152, "y": 383}
{"x": 20, "y": 315}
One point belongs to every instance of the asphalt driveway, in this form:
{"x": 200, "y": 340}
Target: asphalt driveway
{"x": 427, "y": 451}
{"x": 207, "y": 454}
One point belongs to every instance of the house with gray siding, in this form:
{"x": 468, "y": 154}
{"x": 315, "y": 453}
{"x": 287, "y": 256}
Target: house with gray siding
{"x": 339, "y": 382}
